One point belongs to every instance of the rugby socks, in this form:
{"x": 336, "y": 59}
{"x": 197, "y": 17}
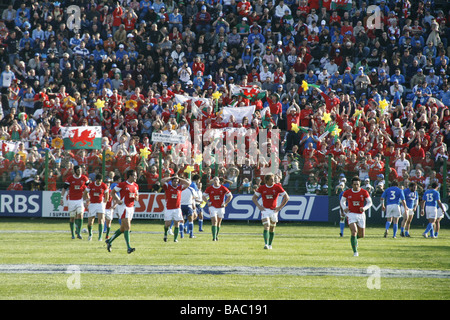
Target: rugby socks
{"x": 191, "y": 229}
{"x": 266, "y": 236}
{"x": 271, "y": 235}
{"x": 388, "y": 224}
{"x": 78, "y": 224}
{"x": 100, "y": 230}
{"x": 395, "y": 229}
{"x": 175, "y": 233}
{"x": 342, "y": 227}
{"x": 72, "y": 228}
{"x": 214, "y": 232}
{"x": 429, "y": 228}
{"x": 181, "y": 230}
{"x": 115, "y": 235}
{"x": 200, "y": 225}
{"x": 90, "y": 230}
{"x": 354, "y": 242}
{"x": 126, "y": 235}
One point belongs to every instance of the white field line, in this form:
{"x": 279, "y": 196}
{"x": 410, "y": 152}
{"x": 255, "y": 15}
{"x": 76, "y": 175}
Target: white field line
{"x": 217, "y": 270}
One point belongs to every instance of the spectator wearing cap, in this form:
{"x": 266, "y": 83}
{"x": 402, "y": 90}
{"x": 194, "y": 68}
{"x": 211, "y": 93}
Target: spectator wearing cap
{"x": 432, "y": 77}
{"x": 203, "y": 20}
{"x": 398, "y": 76}
{"x": 417, "y": 78}
{"x": 361, "y": 83}
{"x": 26, "y": 39}
{"x": 198, "y": 81}
{"x": 256, "y": 35}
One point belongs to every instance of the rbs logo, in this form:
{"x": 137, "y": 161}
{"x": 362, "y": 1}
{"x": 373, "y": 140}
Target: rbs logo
{"x": 23, "y": 203}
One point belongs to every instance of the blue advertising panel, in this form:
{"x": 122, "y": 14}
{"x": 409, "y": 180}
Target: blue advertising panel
{"x": 20, "y": 204}
{"x": 299, "y": 208}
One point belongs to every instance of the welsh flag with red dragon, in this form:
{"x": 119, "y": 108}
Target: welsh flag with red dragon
{"x": 87, "y": 137}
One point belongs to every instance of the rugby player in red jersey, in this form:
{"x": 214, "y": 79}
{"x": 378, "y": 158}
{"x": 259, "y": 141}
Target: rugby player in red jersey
{"x": 173, "y": 203}
{"x": 215, "y": 196}
{"x": 97, "y": 193}
{"x": 358, "y": 201}
{"x": 109, "y": 209}
{"x": 75, "y": 185}
{"x": 269, "y": 192}
{"x": 129, "y": 193}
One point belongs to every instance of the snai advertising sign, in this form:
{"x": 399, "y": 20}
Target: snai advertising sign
{"x": 151, "y": 206}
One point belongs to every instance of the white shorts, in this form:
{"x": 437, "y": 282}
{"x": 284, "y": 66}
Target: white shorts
{"x": 409, "y": 212}
{"x": 75, "y": 207}
{"x": 431, "y": 212}
{"x": 109, "y": 214}
{"x": 358, "y": 218}
{"x": 125, "y": 212}
{"x": 95, "y": 208}
{"x": 440, "y": 213}
{"x": 393, "y": 211}
{"x": 173, "y": 214}
{"x": 271, "y": 214}
{"x": 217, "y": 212}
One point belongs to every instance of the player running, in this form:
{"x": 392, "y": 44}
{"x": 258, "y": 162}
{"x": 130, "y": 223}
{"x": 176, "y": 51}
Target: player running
{"x": 217, "y": 203}
{"x": 431, "y": 201}
{"x": 75, "y": 185}
{"x": 393, "y": 196}
{"x": 129, "y": 193}
{"x": 412, "y": 202}
{"x": 269, "y": 192}
{"x": 97, "y": 194}
{"x": 355, "y": 202}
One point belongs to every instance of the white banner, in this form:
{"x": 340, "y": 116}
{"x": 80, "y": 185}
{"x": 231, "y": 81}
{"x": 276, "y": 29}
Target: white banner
{"x": 168, "y": 138}
{"x": 239, "y": 113}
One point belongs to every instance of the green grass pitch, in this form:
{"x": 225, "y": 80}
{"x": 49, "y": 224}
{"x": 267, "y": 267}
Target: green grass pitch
{"x": 307, "y": 262}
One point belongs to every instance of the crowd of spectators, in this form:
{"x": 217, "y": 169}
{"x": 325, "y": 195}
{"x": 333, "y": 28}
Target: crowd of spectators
{"x": 378, "y": 68}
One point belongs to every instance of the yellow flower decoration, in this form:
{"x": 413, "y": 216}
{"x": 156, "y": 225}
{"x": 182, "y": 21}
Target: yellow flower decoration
{"x": 23, "y": 155}
{"x": 358, "y": 112}
{"x": 198, "y": 158}
{"x": 145, "y": 153}
{"x": 336, "y": 131}
{"x": 304, "y": 85}
{"x": 131, "y": 104}
{"x": 326, "y": 117}
{"x": 189, "y": 169}
{"x": 99, "y": 104}
{"x": 216, "y": 95}
{"x": 178, "y": 107}
{"x": 382, "y": 105}
{"x": 294, "y": 127}
{"x": 109, "y": 155}
{"x": 57, "y": 143}
{"x": 69, "y": 102}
